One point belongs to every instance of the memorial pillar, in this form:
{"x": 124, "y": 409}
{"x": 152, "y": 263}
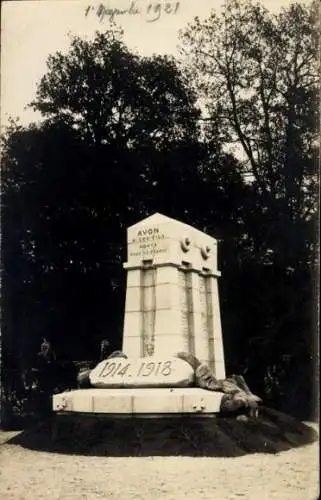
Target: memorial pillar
{"x": 172, "y": 300}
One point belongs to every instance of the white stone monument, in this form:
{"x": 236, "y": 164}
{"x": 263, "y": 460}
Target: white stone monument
{"x": 172, "y": 299}
{"x": 172, "y": 305}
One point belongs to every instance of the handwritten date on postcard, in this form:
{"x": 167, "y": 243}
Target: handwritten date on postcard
{"x": 152, "y": 11}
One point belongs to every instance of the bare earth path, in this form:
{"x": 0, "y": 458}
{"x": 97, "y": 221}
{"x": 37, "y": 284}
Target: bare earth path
{"x": 33, "y": 475}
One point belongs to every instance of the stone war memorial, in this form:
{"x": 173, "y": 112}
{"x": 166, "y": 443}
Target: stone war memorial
{"x": 172, "y": 301}
{"x": 172, "y": 358}
{"x": 172, "y": 329}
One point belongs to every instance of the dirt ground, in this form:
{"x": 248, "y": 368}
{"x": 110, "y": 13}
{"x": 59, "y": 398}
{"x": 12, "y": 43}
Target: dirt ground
{"x": 27, "y": 475}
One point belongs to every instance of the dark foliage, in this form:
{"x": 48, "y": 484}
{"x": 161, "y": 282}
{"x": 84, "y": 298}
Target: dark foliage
{"x": 121, "y": 140}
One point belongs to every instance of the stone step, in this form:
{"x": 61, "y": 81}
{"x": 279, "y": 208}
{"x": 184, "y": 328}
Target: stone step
{"x": 138, "y": 401}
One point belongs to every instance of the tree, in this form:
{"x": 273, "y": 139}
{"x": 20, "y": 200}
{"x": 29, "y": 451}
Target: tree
{"x": 129, "y": 110}
{"x": 74, "y": 183}
{"x": 257, "y": 76}
{"x": 112, "y": 95}
{"x": 120, "y": 140}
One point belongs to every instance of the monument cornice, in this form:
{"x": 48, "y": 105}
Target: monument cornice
{"x": 202, "y": 272}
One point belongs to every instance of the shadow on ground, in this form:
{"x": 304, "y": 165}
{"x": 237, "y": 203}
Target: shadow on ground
{"x": 272, "y": 432}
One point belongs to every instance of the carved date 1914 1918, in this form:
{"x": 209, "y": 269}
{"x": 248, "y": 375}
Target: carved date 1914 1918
{"x": 113, "y": 368}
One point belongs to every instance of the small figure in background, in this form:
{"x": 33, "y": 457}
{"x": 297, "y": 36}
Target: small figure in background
{"x": 46, "y": 351}
{"x": 44, "y": 375}
{"x": 104, "y": 348}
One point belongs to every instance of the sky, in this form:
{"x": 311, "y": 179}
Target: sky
{"x": 31, "y": 30}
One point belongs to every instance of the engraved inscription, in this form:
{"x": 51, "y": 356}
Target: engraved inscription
{"x": 203, "y": 301}
{"x": 183, "y": 302}
{"x": 150, "y": 369}
{"x": 147, "y": 243}
{"x": 149, "y": 311}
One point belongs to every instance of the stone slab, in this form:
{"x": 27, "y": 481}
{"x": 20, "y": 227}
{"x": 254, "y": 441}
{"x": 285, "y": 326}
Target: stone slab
{"x": 142, "y": 372}
{"x": 138, "y": 401}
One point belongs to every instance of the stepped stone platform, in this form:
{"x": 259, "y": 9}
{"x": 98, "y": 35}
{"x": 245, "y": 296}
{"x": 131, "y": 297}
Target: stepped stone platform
{"x": 139, "y": 401}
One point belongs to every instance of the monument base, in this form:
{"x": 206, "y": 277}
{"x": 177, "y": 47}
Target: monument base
{"x": 187, "y": 434}
{"x": 139, "y": 401}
